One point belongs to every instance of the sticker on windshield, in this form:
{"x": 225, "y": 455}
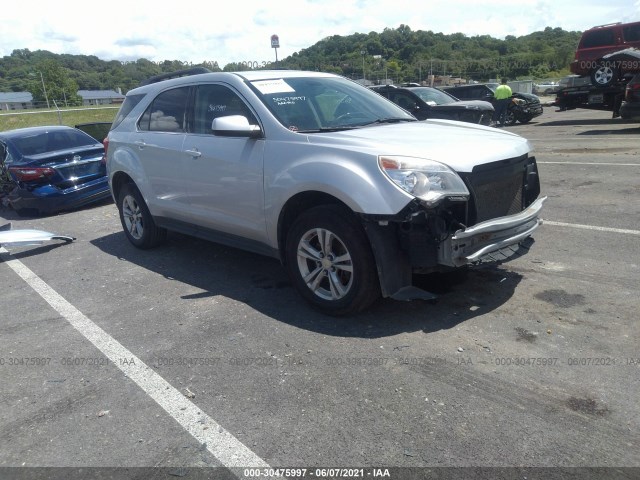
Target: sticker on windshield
{"x": 288, "y": 100}
{"x": 273, "y": 86}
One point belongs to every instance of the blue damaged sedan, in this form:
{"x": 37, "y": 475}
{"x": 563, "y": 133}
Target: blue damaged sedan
{"x": 53, "y": 168}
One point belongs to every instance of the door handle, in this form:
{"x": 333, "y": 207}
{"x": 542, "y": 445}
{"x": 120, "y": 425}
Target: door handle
{"x": 193, "y": 153}
{"x": 141, "y": 144}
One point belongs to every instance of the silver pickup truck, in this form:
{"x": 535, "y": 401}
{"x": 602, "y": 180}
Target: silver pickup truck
{"x": 352, "y": 193}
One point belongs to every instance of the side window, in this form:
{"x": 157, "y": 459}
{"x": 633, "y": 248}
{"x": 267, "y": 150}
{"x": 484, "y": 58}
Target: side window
{"x": 404, "y": 101}
{"x": 461, "y": 93}
{"x": 599, "y": 38}
{"x": 167, "y": 112}
{"x": 631, "y": 33}
{"x": 213, "y": 101}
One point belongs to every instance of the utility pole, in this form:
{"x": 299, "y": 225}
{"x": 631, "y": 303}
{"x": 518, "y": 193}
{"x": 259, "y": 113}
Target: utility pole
{"x": 363, "y": 53}
{"x": 44, "y": 89}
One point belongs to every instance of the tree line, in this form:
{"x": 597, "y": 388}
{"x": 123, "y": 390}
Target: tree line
{"x": 399, "y": 54}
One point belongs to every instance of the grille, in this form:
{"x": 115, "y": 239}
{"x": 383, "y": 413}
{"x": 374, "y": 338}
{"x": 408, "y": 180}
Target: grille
{"x": 496, "y": 189}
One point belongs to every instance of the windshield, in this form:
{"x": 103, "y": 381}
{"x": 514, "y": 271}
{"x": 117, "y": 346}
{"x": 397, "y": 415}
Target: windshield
{"x": 432, "y": 96}
{"x": 313, "y": 104}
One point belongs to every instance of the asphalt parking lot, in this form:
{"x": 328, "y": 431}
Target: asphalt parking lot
{"x": 195, "y": 355}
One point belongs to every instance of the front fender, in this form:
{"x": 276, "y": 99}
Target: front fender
{"x": 357, "y": 182}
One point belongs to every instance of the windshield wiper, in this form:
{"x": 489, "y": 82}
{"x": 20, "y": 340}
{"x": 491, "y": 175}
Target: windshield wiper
{"x": 359, "y": 125}
{"x": 337, "y": 129}
{"x": 391, "y": 120}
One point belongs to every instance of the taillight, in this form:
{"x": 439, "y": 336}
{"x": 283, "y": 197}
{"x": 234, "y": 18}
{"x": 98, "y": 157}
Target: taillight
{"x": 105, "y": 144}
{"x": 30, "y": 174}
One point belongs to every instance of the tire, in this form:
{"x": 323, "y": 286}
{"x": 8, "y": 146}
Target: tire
{"x": 604, "y": 76}
{"x": 137, "y": 222}
{"x": 525, "y": 119}
{"x": 509, "y": 117}
{"x": 330, "y": 262}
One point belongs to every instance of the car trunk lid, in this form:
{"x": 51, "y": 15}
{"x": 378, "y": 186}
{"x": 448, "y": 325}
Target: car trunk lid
{"x": 64, "y": 169}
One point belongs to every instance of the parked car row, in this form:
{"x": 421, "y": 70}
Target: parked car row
{"x": 428, "y": 102}
{"x": 548, "y": 88}
{"x": 523, "y": 107}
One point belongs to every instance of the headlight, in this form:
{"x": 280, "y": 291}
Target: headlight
{"x": 428, "y": 180}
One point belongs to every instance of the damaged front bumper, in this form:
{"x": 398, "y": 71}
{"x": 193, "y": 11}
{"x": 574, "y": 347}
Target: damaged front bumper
{"x": 474, "y": 244}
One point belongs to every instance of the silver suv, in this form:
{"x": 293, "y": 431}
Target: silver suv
{"x": 349, "y": 191}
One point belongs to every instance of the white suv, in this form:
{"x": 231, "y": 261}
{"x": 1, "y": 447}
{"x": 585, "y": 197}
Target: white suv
{"x": 348, "y": 190}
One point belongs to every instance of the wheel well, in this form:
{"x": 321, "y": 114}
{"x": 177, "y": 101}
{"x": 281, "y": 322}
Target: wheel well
{"x": 295, "y": 206}
{"x": 118, "y": 180}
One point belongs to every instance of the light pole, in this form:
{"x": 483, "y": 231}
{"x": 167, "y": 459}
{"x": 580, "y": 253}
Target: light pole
{"x": 363, "y": 53}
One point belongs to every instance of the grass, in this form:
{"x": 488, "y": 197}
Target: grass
{"x": 70, "y": 117}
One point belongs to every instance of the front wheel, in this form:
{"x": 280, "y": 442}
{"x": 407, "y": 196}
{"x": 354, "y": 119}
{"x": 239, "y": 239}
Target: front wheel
{"x": 330, "y": 262}
{"x": 509, "y": 117}
{"x": 137, "y": 222}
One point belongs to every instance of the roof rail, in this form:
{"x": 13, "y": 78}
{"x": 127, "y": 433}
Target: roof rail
{"x": 176, "y": 74}
{"x": 607, "y": 25}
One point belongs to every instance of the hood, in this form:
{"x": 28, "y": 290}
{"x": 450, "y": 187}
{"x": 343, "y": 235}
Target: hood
{"x": 459, "y": 145}
{"x": 529, "y": 97}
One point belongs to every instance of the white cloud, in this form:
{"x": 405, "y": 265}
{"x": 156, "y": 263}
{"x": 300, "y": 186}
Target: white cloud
{"x": 196, "y": 31}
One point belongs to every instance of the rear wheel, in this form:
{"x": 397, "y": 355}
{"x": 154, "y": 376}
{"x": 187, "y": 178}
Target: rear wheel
{"x": 137, "y": 222}
{"x": 330, "y": 262}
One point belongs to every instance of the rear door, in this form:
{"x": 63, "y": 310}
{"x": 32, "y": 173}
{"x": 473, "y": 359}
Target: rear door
{"x": 158, "y": 141}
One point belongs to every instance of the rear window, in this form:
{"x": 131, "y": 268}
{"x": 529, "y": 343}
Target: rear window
{"x": 53, "y": 141}
{"x": 598, "y": 38}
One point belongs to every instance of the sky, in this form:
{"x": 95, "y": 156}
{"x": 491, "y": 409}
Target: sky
{"x": 197, "y": 31}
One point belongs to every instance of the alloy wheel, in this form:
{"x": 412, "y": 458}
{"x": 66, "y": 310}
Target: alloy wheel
{"x": 132, "y": 215}
{"x": 325, "y": 264}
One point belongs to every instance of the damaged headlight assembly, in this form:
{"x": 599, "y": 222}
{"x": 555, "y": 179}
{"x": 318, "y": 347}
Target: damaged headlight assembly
{"x": 428, "y": 180}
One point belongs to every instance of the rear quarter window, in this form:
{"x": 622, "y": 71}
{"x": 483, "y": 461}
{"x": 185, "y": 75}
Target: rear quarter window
{"x": 631, "y": 33}
{"x": 129, "y": 104}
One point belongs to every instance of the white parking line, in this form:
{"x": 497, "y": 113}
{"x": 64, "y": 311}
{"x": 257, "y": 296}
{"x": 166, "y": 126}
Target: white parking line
{"x": 592, "y": 227}
{"x": 595, "y": 163}
{"x": 222, "y": 444}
